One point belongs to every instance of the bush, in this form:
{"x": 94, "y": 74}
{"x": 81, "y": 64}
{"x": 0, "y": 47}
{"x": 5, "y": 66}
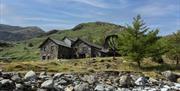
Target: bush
{"x": 30, "y": 45}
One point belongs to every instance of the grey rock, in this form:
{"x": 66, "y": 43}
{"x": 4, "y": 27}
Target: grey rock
{"x": 165, "y": 88}
{"x": 82, "y": 87}
{"x": 63, "y": 82}
{"x": 31, "y": 75}
{"x": 90, "y": 79}
{"x": 19, "y": 87}
{"x": 142, "y": 81}
{"x": 177, "y": 85}
{"x": 44, "y": 76}
{"x": 30, "y": 86}
{"x": 6, "y": 75}
{"x": 16, "y": 78}
{"x": 124, "y": 89}
{"x": 0, "y": 72}
{"x": 126, "y": 81}
{"x": 47, "y": 84}
{"x": 27, "y": 83}
{"x": 4, "y": 81}
{"x": 69, "y": 77}
{"x": 100, "y": 87}
{"x": 7, "y": 84}
{"x": 58, "y": 87}
{"x": 69, "y": 88}
{"x": 170, "y": 75}
{"x": 135, "y": 77}
{"x": 42, "y": 73}
{"x": 58, "y": 75}
{"x": 40, "y": 89}
{"x": 109, "y": 88}
{"x": 178, "y": 80}
{"x": 153, "y": 81}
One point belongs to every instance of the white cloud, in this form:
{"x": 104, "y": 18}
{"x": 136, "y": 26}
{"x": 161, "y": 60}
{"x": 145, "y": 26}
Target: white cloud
{"x": 95, "y": 3}
{"x": 155, "y": 9}
{"x": 50, "y": 26}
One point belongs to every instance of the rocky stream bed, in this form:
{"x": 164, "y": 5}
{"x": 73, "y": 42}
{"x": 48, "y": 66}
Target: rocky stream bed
{"x": 98, "y": 81}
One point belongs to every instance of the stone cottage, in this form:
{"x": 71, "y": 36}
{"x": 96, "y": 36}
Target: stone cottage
{"x": 69, "y": 48}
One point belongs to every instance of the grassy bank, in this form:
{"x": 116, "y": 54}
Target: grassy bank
{"x": 149, "y": 68}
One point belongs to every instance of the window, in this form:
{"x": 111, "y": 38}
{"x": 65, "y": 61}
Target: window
{"x": 48, "y": 57}
{"x": 43, "y": 57}
{"x": 85, "y": 49}
{"x": 43, "y": 49}
{"x": 52, "y": 48}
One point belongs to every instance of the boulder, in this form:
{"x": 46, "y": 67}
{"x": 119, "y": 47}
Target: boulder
{"x": 177, "y": 85}
{"x": 69, "y": 88}
{"x": 126, "y": 81}
{"x": 6, "y": 75}
{"x": 40, "y": 89}
{"x": 153, "y": 81}
{"x": 90, "y": 79}
{"x": 30, "y": 76}
{"x": 135, "y": 77}
{"x": 178, "y": 80}
{"x": 19, "y": 87}
{"x": 166, "y": 88}
{"x": 30, "y": 85}
{"x": 100, "y": 87}
{"x": 16, "y": 78}
{"x": 82, "y": 87}
{"x": 63, "y": 82}
{"x": 58, "y": 75}
{"x": 142, "y": 81}
{"x": 109, "y": 88}
{"x": 44, "y": 76}
{"x": 170, "y": 75}
{"x": 125, "y": 89}
{"x": 7, "y": 84}
{"x": 0, "y": 72}
{"x": 58, "y": 87}
{"x": 47, "y": 84}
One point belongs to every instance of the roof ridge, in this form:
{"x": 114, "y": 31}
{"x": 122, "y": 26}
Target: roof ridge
{"x": 89, "y": 43}
{"x": 60, "y": 42}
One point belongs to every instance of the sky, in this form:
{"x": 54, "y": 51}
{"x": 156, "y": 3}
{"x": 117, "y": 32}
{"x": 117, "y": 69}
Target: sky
{"x": 65, "y": 14}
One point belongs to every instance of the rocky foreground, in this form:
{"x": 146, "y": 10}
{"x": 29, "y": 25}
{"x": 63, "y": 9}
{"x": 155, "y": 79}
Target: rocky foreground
{"x": 100, "y": 81}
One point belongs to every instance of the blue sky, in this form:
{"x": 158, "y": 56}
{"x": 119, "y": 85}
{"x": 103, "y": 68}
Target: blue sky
{"x": 65, "y": 14}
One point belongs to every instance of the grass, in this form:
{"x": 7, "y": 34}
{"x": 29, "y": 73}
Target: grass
{"x": 90, "y": 65}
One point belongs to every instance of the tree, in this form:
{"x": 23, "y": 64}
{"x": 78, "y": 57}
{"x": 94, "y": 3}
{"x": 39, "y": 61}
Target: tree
{"x": 137, "y": 40}
{"x": 111, "y": 42}
{"x": 158, "y": 49}
{"x": 174, "y": 48}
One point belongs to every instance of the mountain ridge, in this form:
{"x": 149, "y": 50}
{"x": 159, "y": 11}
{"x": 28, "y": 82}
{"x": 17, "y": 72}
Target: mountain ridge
{"x": 17, "y": 33}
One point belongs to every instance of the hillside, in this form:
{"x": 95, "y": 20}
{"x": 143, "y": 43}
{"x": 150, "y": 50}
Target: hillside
{"x": 93, "y": 31}
{"x": 17, "y": 33}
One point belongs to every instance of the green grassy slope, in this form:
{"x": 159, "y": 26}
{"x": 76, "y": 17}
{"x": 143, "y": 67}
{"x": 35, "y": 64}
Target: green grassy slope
{"x": 93, "y": 31}
{"x": 88, "y": 65}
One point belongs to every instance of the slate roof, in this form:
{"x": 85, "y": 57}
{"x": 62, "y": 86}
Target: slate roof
{"x": 56, "y": 42}
{"x": 61, "y": 43}
{"x": 73, "y": 40}
{"x": 88, "y": 43}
